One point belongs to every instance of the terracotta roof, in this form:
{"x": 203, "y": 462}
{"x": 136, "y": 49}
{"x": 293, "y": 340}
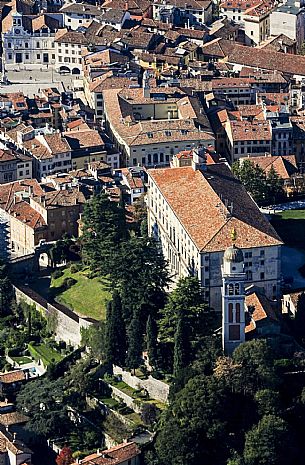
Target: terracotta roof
{"x": 8, "y": 190}
{"x": 263, "y": 309}
{"x": 61, "y": 198}
{"x": 79, "y": 139}
{"x": 285, "y": 166}
{"x": 251, "y": 130}
{"x": 12, "y": 377}
{"x": 37, "y": 149}
{"x": 196, "y": 203}
{"x": 57, "y": 143}
{"x": 7, "y": 155}
{"x": 118, "y": 104}
{"x": 12, "y": 418}
{"x": 114, "y": 456}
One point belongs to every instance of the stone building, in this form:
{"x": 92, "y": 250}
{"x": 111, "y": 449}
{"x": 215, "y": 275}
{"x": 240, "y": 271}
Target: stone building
{"x": 191, "y": 211}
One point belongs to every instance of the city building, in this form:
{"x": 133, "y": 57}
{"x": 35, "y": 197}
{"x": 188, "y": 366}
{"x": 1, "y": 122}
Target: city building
{"x": 289, "y": 18}
{"x": 29, "y": 40}
{"x": 181, "y": 13}
{"x": 192, "y": 211}
{"x": 150, "y": 124}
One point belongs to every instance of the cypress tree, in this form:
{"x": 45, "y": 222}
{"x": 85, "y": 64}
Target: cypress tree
{"x": 115, "y": 332}
{"x": 182, "y": 346}
{"x": 151, "y": 340}
{"x": 135, "y": 340}
{"x": 6, "y": 290}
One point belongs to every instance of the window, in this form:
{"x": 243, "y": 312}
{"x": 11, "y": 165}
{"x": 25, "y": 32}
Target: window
{"x": 237, "y": 289}
{"x": 234, "y": 333}
{"x": 230, "y": 313}
{"x": 38, "y": 56}
{"x": 10, "y": 56}
{"x": 262, "y": 275}
{"x": 251, "y": 33}
{"x": 231, "y": 289}
{"x": 53, "y": 56}
{"x": 237, "y": 318}
{"x": 27, "y": 56}
{"x": 37, "y": 45}
{"x": 9, "y": 45}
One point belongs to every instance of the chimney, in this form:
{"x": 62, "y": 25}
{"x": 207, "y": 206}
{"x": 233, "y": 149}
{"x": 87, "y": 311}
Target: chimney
{"x": 145, "y": 84}
{"x": 14, "y": 437}
{"x": 126, "y": 6}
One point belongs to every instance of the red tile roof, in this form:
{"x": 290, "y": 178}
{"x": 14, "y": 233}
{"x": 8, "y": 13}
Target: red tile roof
{"x": 114, "y": 456}
{"x": 195, "y": 198}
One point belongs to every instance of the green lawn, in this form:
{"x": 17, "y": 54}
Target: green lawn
{"x": 87, "y": 297}
{"x": 290, "y": 225}
{"x": 22, "y": 360}
{"x": 45, "y": 353}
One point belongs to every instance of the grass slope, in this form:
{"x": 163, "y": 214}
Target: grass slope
{"x": 87, "y": 297}
{"x": 45, "y": 353}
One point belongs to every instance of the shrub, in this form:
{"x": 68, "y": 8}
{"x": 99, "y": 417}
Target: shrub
{"x": 69, "y": 282}
{"x": 57, "y": 274}
{"x": 76, "y": 267}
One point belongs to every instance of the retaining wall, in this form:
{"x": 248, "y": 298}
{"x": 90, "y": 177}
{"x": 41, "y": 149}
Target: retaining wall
{"x": 68, "y": 324}
{"x": 156, "y": 389}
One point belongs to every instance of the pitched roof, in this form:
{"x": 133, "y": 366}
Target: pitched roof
{"x": 57, "y": 143}
{"x": 12, "y": 376}
{"x": 285, "y": 166}
{"x": 262, "y": 308}
{"x": 114, "y": 456}
{"x": 195, "y": 198}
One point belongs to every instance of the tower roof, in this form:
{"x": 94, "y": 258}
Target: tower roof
{"x": 233, "y": 254}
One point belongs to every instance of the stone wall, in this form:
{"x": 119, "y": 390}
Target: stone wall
{"x": 156, "y": 389}
{"x": 129, "y": 401}
{"x": 67, "y": 324}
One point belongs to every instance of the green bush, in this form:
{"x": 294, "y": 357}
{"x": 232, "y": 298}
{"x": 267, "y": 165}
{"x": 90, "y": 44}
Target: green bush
{"x": 76, "y": 267}
{"x": 69, "y": 282}
{"x": 57, "y": 274}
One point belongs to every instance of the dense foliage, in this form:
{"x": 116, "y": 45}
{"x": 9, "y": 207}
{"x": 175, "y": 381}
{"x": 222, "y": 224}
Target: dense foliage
{"x": 264, "y": 188}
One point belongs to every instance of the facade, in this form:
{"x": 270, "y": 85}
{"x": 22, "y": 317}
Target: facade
{"x": 192, "y": 212}
{"x": 32, "y": 215}
{"x": 257, "y": 23}
{"x": 68, "y": 51}
{"x": 289, "y": 18}
{"x": 233, "y": 299}
{"x": 183, "y": 13}
{"x": 30, "y": 40}
{"x": 79, "y": 14}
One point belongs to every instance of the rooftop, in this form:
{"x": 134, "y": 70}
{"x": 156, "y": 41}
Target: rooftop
{"x": 197, "y": 204}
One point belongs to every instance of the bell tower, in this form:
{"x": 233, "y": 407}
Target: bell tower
{"x": 233, "y": 298}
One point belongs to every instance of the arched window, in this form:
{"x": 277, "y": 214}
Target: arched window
{"x": 231, "y": 289}
{"x": 236, "y": 289}
{"x": 230, "y": 313}
{"x": 237, "y": 313}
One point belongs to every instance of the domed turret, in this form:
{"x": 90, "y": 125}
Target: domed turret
{"x": 234, "y": 254}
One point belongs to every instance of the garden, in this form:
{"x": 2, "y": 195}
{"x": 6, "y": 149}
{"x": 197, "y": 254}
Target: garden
{"x": 78, "y": 289}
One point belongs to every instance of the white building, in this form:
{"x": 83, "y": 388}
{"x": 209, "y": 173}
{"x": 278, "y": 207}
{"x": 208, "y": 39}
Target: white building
{"x": 30, "y": 40}
{"x": 233, "y": 299}
{"x": 79, "y": 14}
{"x": 288, "y": 18}
{"x": 180, "y": 12}
{"x": 68, "y": 51}
{"x": 193, "y": 211}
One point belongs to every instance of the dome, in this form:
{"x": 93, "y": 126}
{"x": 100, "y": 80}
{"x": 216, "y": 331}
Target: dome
{"x": 234, "y": 254}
